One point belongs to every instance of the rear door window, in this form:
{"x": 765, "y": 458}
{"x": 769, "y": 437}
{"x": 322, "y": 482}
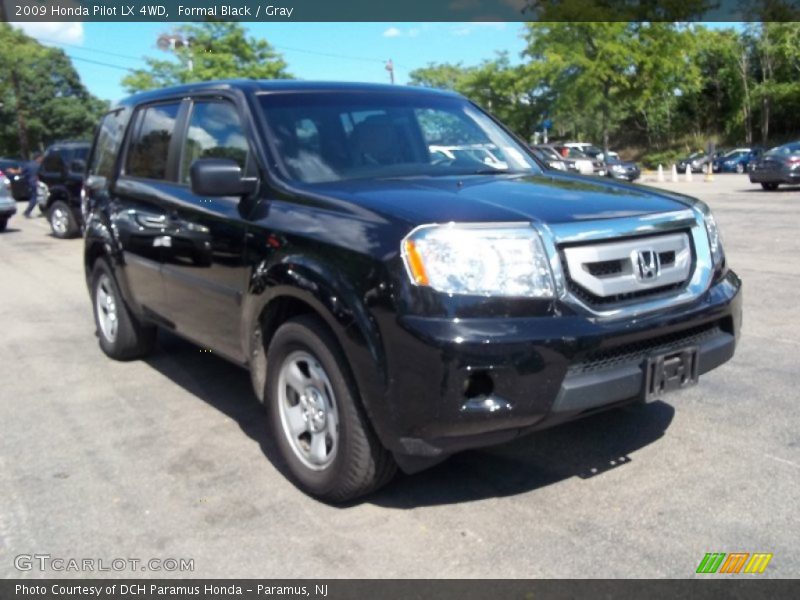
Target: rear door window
{"x": 149, "y": 151}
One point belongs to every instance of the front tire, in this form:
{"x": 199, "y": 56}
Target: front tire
{"x": 62, "y": 221}
{"x": 770, "y": 187}
{"x": 320, "y": 429}
{"x": 121, "y": 335}
{"x": 3, "y": 224}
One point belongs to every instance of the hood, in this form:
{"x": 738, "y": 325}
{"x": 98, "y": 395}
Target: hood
{"x": 551, "y": 197}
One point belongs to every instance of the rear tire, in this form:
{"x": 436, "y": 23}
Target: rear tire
{"x": 770, "y": 187}
{"x": 3, "y": 224}
{"x": 121, "y": 335}
{"x": 320, "y": 429}
{"x": 62, "y": 221}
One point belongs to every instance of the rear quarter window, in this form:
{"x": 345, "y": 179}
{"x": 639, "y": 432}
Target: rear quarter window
{"x": 107, "y": 143}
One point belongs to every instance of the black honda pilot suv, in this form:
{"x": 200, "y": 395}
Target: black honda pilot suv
{"x": 401, "y": 277}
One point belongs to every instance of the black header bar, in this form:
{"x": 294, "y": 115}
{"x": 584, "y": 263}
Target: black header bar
{"x": 399, "y": 10}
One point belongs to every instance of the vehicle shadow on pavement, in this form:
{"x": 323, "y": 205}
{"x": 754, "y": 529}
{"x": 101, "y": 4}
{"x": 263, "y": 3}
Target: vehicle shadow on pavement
{"x": 215, "y": 381}
{"x": 783, "y": 189}
{"x": 584, "y": 448}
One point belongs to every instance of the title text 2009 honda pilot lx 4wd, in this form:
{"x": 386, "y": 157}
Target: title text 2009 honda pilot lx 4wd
{"x": 393, "y": 305}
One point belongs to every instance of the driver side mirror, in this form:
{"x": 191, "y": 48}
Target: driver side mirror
{"x": 220, "y": 177}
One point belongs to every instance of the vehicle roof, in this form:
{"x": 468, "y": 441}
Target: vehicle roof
{"x": 277, "y": 85}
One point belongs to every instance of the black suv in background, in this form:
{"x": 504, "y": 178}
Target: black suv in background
{"x": 62, "y": 170}
{"x": 393, "y": 304}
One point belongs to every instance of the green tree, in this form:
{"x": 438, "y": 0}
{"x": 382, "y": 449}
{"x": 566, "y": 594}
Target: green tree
{"x": 442, "y": 76}
{"x": 215, "y": 51}
{"x": 43, "y": 99}
{"x": 776, "y": 63}
{"x": 588, "y": 67}
{"x": 602, "y": 10}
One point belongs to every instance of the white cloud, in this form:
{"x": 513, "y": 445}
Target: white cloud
{"x": 392, "y": 32}
{"x": 470, "y": 28}
{"x": 68, "y": 33}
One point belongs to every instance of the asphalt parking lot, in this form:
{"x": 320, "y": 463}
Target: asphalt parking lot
{"x": 169, "y": 458}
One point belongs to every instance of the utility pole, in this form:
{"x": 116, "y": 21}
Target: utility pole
{"x": 390, "y": 68}
{"x": 22, "y": 126}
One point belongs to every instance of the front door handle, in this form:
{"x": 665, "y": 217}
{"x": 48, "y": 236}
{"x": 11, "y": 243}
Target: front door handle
{"x": 151, "y": 221}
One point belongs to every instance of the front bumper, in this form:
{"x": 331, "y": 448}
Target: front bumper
{"x": 7, "y": 211}
{"x": 459, "y": 384}
{"x": 625, "y": 175}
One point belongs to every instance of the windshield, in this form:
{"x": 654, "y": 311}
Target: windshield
{"x": 324, "y": 137}
{"x": 548, "y": 153}
{"x": 737, "y": 153}
{"x": 592, "y": 151}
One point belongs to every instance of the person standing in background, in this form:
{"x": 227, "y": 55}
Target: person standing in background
{"x": 30, "y": 172}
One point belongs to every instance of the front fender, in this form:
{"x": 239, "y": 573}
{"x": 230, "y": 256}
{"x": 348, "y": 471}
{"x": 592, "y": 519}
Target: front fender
{"x": 338, "y": 303}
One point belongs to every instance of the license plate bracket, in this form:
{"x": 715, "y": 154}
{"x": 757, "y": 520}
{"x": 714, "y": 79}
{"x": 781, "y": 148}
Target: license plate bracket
{"x": 670, "y": 371}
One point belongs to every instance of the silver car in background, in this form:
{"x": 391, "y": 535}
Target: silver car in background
{"x": 8, "y": 207}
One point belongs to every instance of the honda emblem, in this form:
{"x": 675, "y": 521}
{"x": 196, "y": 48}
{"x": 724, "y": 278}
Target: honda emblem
{"x": 647, "y": 265}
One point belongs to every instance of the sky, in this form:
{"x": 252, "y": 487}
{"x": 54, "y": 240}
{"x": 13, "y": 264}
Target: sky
{"x": 322, "y": 51}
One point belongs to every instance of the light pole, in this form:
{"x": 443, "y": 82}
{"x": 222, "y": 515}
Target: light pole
{"x": 390, "y": 68}
{"x": 169, "y": 42}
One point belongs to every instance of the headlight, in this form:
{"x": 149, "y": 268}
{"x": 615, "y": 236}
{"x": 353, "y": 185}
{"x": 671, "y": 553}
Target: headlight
{"x": 617, "y": 168}
{"x": 484, "y": 260}
{"x": 714, "y": 237}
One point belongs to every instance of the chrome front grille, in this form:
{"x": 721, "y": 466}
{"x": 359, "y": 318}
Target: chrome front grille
{"x": 597, "y": 267}
{"x": 614, "y": 271}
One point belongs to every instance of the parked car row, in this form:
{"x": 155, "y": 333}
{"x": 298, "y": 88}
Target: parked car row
{"x": 736, "y": 160}
{"x": 586, "y": 159}
{"x": 780, "y": 165}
